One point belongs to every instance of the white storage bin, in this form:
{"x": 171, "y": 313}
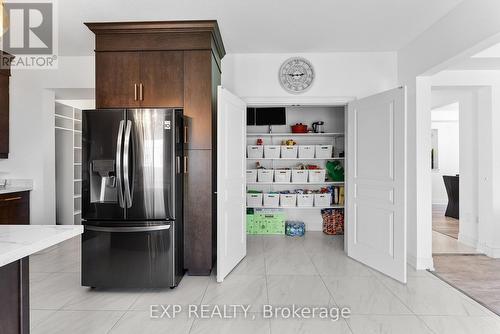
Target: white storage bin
{"x": 254, "y": 200}
{"x": 282, "y": 175}
{"x": 251, "y": 175}
{"x": 255, "y": 151}
{"x": 288, "y": 200}
{"x": 322, "y": 200}
{"x": 271, "y": 200}
{"x": 288, "y": 152}
{"x": 265, "y": 175}
{"x": 324, "y": 151}
{"x": 306, "y": 151}
{"x": 305, "y": 200}
{"x": 299, "y": 175}
{"x": 272, "y": 151}
{"x": 317, "y": 175}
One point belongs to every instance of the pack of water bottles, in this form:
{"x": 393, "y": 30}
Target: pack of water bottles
{"x": 295, "y": 228}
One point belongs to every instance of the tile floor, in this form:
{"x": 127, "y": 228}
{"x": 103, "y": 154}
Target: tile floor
{"x": 277, "y": 270}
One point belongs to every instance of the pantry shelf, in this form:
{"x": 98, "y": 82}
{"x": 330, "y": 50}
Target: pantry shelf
{"x": 298, "y": 207}
{"x": 290, "y": 134}
{"x": 336, "y": 158}
{"x": 295, "y": 183}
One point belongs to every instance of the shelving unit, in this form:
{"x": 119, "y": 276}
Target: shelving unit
{"x": 334, "y": 135}
{"x": 68, "y": 141}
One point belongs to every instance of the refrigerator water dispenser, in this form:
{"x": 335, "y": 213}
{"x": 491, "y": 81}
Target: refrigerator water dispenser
{"x": 103, "y": 181}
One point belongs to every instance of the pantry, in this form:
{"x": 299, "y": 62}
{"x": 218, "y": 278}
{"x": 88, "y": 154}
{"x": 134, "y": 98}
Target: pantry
{"x": 300, "y": 174}
{"x": 342, "y": 161}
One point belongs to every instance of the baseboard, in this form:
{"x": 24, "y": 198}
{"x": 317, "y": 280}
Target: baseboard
{"x": 467, "y": 240}
{"x": 420, "y": 263}
{"x": 493, "y": 252}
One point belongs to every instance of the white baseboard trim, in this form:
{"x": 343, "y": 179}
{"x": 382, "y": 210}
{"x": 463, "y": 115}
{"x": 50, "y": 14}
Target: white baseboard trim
{"x": 493, "y": 252}
{"x": 468, "y": 240}
{"x": 420, "y": 263}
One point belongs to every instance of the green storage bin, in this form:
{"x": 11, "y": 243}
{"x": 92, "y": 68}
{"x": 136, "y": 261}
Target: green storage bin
{"x": 269, "y": 221}
{"x": 251, "y": 228}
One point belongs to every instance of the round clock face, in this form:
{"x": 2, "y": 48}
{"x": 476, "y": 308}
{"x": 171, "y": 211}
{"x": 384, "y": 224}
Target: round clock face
{"x": 296, "y": 75}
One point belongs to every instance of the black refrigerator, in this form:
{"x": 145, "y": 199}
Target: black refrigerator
{"x": 133, "y": 166}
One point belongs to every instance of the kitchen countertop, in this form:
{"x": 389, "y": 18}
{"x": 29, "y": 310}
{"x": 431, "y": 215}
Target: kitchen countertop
{"x": 18, "y": 241}
{"x": 14, "y": 186}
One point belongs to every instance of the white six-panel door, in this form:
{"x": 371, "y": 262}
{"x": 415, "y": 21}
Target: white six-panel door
{"x": 231, "y": 182}
{"x": 376, "y": 182}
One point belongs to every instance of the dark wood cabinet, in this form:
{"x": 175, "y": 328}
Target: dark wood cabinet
{"x": 15, "y": 208}
{"x": 117, "y": 86}
{"x": 171, "y": 64}
{"x": 139, "y": 79}
{"x": 162, "y": 79}
{"x": 4, "y": 106}
{"x": 14, "y": 291}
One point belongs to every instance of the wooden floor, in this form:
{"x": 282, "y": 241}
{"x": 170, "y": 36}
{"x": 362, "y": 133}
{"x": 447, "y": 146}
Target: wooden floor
{"x": 442, "y": 224}
{"x": 478, "y": 276}
{"x": 445, "y": 234}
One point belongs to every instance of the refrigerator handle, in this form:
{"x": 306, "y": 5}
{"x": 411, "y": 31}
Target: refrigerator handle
{"x": 126, "y": 158}
{"x": 118, "y": 162}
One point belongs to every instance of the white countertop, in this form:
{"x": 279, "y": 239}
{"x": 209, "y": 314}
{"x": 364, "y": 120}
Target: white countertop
{"x": 18, "y": 241}
{"x": 14, "y": 186}
{"x": 9, "y": 189}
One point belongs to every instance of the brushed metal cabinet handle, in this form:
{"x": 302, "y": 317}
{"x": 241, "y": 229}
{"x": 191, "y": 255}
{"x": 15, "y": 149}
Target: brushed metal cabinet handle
{"x": 185, "y": 164}
{"x": 135, "y": 92}
{"x": 141, "y": 92}
{"x": 178, "y": 164}
{"x": 10, "y": 199}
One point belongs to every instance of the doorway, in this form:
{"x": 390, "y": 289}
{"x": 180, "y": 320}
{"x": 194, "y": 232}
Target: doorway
{"x": 445, "y": 168}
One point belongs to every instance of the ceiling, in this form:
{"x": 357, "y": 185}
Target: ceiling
{"x": 487, "y": 59}
{"x": 267, "y": 26}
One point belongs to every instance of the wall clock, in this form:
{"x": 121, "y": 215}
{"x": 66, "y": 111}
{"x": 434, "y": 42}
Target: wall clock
{"x": 296, "y": 75}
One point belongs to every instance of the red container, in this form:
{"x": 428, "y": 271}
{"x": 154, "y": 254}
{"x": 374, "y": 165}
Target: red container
{"x": 299, "y": 128}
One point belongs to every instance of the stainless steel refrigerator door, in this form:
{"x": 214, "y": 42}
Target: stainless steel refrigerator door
{"x": 149, "y": 164}
{"x": 102, "y": 148}
{"x": 125, "y": 256}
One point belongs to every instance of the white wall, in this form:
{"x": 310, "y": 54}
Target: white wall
{"x": 487, "y": 156}
{"x": 446, "y": 122}
{"x": 32, "y": 128}
{"x": 337, "y": 74}
{"x": 464, "y": 31}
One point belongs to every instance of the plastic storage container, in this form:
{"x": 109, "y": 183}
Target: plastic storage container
{"x": 317, "y": 175}
{"x": 306, "y": 151}
{"x": 288, "y": 200}
{"x": 265, "y": 175}
{"x": 324, "y": 151}
{"x": 251, "y": 175}
{"x": 322, "y": 200}
{"x": 289, "y": 152}
{"x": 282, "y": 175}
{"x": 271, "y": 200}
{"x": 299, "y": 175}
{"x": 272, "y": 151}
{"x": 305, "y": 200}
{"x": 254, "y": 200}
{"x": 255, "y": 151}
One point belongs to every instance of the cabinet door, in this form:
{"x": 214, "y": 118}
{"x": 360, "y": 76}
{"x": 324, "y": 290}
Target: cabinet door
{"x": 162, "y": 79}
{"x": 198, "y": 97}
{"x": 117, "y": 79}
{"x": 4, "y": 115}
{"x": 15, "y": 209}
